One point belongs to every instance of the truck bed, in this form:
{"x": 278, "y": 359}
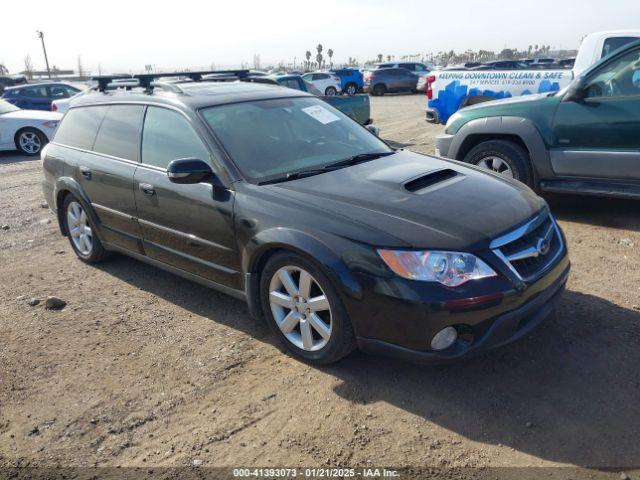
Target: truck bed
{"x": 355, "y": 106}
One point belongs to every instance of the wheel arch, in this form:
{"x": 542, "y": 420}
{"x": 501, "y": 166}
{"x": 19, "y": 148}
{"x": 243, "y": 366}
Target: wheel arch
{"x": 519, "y": 130}
{"x": 477, "y": 138}
{"x": 65, "y": 186}
{"x": 270, "y": 242}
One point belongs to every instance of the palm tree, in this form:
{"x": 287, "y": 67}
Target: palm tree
{"x": 308, "y": 57}
{"x": 330, "y": 54}
{"x": 379, "y": 58}
{"x": 319, "y": 55}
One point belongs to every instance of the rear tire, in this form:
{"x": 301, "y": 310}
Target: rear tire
{"x": 81, "y": 231}
{"x": 331, "y": 92}
{"x": 30, "y": 141}
{"x": 319, "y": 333}
{"x": 379, "y": 90}
{"x": 504, "y": 157}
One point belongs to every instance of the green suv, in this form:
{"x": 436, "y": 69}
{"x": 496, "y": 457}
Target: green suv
{"x": 583, "y": 139}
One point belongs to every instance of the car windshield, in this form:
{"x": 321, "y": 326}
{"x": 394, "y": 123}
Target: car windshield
{"x": 269, "y": 139}
{"x": 6, "y": 107}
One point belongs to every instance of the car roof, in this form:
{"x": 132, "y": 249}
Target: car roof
{"x": 39, "y": 84}
{"x": 192, "y": 95}
{"x": 286, "y": 76}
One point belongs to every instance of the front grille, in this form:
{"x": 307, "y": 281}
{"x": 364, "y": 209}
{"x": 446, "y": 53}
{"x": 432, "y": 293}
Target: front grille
{"x": 530, "y": 250}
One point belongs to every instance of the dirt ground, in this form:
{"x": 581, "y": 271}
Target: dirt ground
{"x": 142, "y": 368}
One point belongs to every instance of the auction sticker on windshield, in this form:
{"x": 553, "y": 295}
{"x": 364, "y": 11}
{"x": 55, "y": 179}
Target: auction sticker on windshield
{"x": 321, "y": 114}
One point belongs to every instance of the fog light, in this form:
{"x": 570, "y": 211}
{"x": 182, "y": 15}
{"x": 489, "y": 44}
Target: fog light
{"x": 444, "y": 338}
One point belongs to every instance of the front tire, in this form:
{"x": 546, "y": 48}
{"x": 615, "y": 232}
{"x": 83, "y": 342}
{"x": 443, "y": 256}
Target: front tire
{"x": 81, "y": 232}
{"x": 304, "y": 310}
{"x": 503, "y": 157}
{"x": 351, "y": 89}
{"x": 30, "y": 141}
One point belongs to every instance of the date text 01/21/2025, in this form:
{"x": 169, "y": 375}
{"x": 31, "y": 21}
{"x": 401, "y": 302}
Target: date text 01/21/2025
{"x": 315, "y": 472}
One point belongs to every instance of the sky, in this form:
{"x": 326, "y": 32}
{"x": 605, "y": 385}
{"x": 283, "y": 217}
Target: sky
{"x": 124, "y": 36}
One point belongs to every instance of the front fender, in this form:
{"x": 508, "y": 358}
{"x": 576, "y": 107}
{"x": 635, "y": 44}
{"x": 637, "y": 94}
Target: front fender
{"x": 520, "y": 127}
{"x": 279, "y": 238}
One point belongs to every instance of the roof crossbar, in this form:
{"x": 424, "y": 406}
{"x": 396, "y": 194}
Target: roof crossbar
{"x": 147, "y": 79}
{"x": 105, "y": 80}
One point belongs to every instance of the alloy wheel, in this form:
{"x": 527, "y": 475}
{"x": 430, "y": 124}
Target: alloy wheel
{"x": 496, "y": 164}
{"x": 79, "y": 228}
{"x": 351, "y": 90}
{"x": 29, "y": 142}
{"x": 300, "y": 308}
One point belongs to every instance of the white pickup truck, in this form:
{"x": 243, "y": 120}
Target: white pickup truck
{"x": 450, "y": 90}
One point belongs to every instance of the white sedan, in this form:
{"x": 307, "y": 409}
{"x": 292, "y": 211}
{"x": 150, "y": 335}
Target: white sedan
{"x": 26, "y": 130}
{"x": 327, "y": 82}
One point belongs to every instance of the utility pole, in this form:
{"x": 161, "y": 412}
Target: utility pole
{"x": 46, "y": 60}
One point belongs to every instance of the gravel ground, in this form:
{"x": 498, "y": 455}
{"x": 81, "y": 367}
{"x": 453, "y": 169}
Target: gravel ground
{"x": 142, "y": 368}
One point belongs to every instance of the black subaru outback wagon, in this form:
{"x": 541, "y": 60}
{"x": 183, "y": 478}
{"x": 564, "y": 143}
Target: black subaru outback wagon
{"x": 338, "y": 240}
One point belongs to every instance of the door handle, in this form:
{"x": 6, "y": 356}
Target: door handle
{"x": 85, "y": 172}
{"x": 147, "y": 189}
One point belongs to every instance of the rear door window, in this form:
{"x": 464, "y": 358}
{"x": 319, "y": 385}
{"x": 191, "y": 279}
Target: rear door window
{"x": 168, "y": 136}
{"x": 119, "y": 132}
{"x": 80, "y": 126}
{"x": 34, "y": 92}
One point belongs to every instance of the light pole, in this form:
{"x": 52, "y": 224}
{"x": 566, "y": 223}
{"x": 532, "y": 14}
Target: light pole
{"x": 46, "y": 60}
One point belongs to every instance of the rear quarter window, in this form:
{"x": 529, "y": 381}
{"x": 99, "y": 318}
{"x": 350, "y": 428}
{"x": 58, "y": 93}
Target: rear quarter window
{"x": 79, "y": 127}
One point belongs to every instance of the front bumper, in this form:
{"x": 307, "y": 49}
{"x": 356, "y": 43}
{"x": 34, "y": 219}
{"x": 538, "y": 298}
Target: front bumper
{"x": 494, "y": 326}
{"x": 443, "y": 144}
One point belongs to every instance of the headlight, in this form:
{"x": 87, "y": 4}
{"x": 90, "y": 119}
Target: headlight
{"x": 449, "y": 268}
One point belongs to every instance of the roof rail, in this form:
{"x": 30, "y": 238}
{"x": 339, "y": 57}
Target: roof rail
{"x": 105, "y": 80}
{"x": 147, "y": 79}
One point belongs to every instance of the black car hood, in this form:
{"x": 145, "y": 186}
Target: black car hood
{"x": 452, "y": 206}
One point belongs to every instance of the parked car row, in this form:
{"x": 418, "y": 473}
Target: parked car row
{"x": 39, "y": 96}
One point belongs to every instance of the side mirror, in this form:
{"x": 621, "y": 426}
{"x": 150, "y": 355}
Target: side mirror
{"x": 576, "y": 91}
{"x": 189, "y": 170}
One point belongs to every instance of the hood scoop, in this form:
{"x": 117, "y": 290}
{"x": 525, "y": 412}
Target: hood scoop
{"x": 433, "y": 180}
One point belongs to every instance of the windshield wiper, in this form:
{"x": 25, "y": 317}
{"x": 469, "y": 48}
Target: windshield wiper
{"x": 296, "y": 175}
{"x": 361, "y": 157}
